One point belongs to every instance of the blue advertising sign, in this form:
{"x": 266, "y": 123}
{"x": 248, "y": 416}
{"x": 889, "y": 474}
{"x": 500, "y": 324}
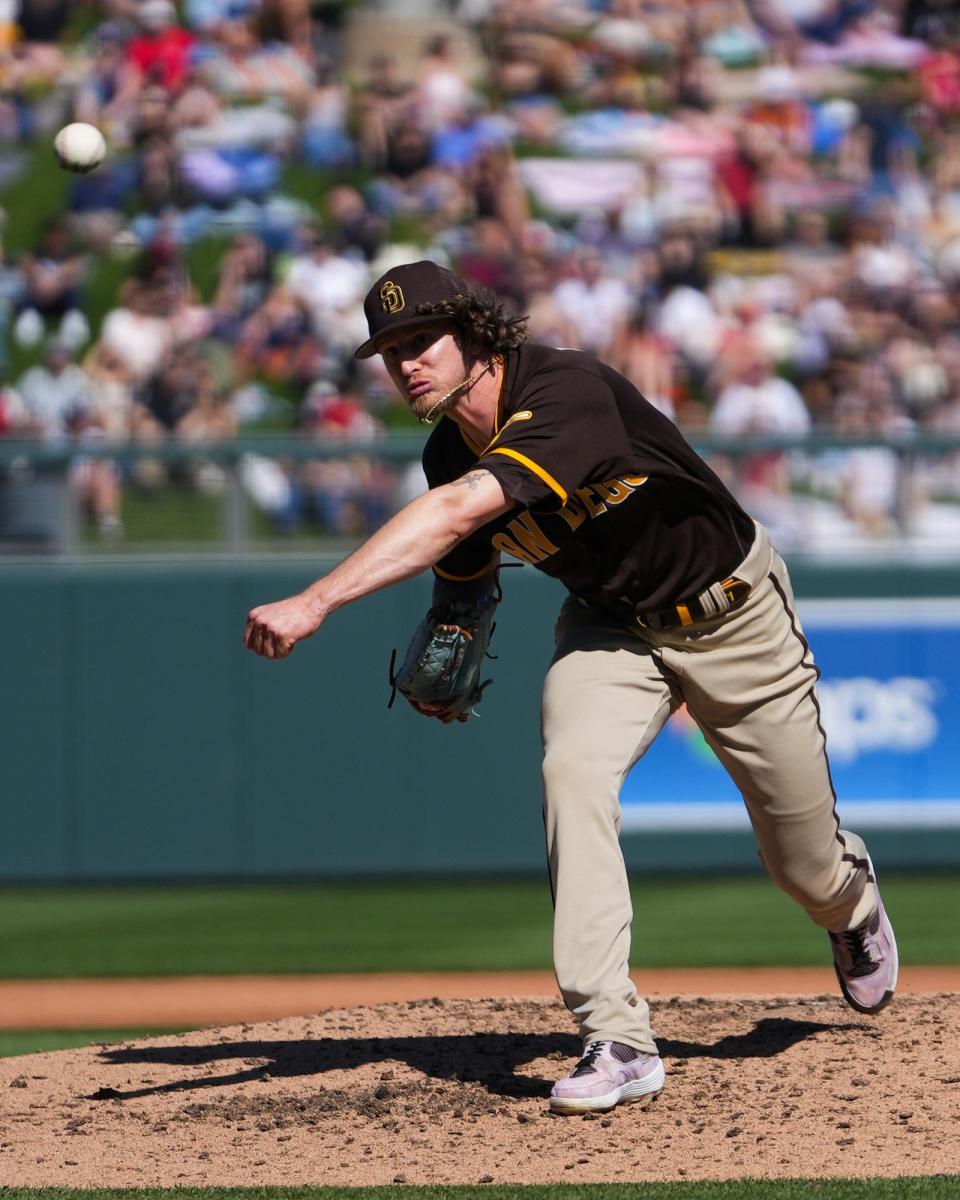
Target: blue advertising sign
{"x": 890, "y": 700}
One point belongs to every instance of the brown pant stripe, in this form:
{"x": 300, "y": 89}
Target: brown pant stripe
{"x": 798, "y": 633}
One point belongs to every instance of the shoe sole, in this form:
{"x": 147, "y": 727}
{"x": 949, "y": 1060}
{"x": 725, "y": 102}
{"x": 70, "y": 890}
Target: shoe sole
{"x": 863, "y": 1008}
{"x": 869, "y": 1010}
{"x": 641, "y": 1091}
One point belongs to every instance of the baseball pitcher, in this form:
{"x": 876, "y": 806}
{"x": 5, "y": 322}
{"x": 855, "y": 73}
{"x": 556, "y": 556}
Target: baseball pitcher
{"x": 675, "y": 596}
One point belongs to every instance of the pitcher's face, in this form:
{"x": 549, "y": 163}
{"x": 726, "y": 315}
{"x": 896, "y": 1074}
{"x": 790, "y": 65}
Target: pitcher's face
{"x": 425, "y": 362}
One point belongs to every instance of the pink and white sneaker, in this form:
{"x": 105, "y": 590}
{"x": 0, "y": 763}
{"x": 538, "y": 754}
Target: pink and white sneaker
{"x": 609, "y": 1074}
{"x": 866, "y": 959}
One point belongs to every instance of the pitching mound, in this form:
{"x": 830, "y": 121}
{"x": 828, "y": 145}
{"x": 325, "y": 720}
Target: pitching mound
{"x": 453, "y": 1091}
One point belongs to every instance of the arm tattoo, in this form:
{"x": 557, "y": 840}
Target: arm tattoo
{"x": 470, "y": 480}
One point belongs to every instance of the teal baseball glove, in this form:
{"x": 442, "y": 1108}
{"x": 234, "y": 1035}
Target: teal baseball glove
{"x": 440, "y": 674}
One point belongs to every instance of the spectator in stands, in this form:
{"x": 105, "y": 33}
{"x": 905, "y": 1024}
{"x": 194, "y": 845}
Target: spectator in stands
{"x": 352, "y": 225}
{"x": 595, "y": 302}
{"x": 244, "y": 279}
{"x": 240, "y": 62}
{"x": 443, "y": 93}
{"x": 348, "y": 497}
{"x": 645, "y": 358}
{"x": 685, "y": 313}
{"x": 811, "y": 254}
{"x": 326, "y": 140}
{"x": 879, "y": 261}
{"x": 111, "y": 393}
{"x": 138, "y": 330}
{"x": 58, "y": 399}
{"x": 547, "y": 323}
{"x": 330, "y": 283}
{"x": 52, "y": 289}
{"x": 755, "y": 400}
{"x": 56, "y": 393}
{"x": 277, "y": 341}
{"x": 106, "y": 91}
{"x": 160, "y": 53}
{"x": 494, "y": 187}
{"x": 865, "y": 479}
{"x": 37, "y": 57}
{"x": 383, "y": 102}
{"x": 488, "y": 259}
{"x": 180, "y": 399}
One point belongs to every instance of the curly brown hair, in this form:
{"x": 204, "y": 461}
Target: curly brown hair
{"x": 481, "y": 320}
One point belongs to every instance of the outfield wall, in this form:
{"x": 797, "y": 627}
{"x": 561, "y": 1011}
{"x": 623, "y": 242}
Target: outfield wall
{"x": 140, "y": 741}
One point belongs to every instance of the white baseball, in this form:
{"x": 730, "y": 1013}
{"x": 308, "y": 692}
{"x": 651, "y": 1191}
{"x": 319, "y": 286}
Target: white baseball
{"x": 79, "y": 147}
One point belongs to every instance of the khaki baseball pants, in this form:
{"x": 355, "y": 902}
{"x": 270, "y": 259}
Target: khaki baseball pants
{"x": 747, "y": 678}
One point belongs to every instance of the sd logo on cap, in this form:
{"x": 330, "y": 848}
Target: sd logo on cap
{"x": 391, "y": 298}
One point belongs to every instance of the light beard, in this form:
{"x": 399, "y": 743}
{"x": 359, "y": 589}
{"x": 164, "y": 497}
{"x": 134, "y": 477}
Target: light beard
{"x": 447, "y": 401}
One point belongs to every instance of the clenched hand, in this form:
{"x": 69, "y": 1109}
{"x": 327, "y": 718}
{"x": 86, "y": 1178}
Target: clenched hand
{"x": 273, "y": 630}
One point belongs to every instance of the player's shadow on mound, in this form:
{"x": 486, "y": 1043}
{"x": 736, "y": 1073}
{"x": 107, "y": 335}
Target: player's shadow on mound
{"x": 489, "y": 1059}
{"x": 769, "y": 1037}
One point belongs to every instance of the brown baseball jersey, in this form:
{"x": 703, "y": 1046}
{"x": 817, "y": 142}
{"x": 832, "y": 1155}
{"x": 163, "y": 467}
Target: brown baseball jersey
{"x": 610, "y": 499}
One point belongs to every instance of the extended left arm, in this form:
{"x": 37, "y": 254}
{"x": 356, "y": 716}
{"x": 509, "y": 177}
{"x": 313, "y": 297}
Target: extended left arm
{"x": 410, "y": 542}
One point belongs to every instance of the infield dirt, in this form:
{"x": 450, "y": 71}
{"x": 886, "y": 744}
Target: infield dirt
{"x": 454, "y": 1091}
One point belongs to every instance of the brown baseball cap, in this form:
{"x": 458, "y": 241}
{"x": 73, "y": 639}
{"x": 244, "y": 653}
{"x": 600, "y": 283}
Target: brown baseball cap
{"x": 391, "y": 303}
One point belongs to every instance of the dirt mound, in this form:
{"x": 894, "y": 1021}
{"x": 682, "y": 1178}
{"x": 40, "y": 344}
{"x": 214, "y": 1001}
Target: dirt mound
{"x": 453, "y": 1091}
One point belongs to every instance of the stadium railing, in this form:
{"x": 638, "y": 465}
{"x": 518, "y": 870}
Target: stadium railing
{"x": 40, "y": 509}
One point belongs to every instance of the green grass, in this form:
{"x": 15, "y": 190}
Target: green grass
{"x": 33, "y": 1041}
{"x": 938, "y": 1187}
{"x": 174, "y": 512}
{"x": 37, "y": 195}
{"x": 177, "y": 929}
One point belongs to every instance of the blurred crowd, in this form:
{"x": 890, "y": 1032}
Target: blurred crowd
{"x": 749, "y": 207}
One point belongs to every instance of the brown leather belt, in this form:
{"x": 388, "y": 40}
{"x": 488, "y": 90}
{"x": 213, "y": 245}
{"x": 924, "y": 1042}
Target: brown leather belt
{"x": 718, "y": 598}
